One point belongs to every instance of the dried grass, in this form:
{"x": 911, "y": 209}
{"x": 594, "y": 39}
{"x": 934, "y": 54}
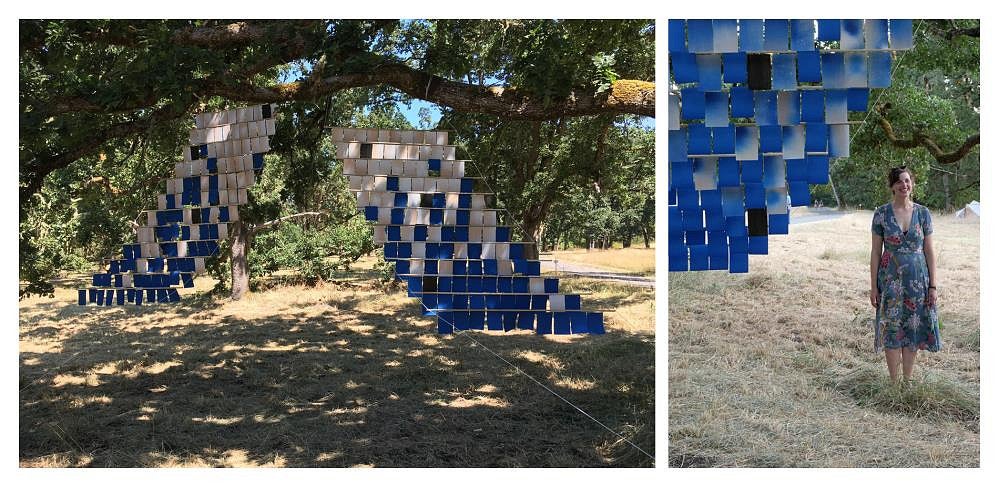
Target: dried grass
{"x": 333, "y": 376}
{"x": 631, "y": 260}
{"x": 776, "y": 368}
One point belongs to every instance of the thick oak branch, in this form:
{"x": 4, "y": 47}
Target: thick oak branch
{"x": 921, "y": 139}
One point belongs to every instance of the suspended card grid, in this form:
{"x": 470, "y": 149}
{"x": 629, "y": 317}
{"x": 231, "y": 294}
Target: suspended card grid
{"x": 445, "y": 241}
{"x": 759, "y": 113}
{"x": 225, "y": 157}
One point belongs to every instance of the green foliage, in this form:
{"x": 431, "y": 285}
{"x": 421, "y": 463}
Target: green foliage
{"x": 935, "y": 90}
{"x": 314, "y": 253}
{"x": 573, "y": 181}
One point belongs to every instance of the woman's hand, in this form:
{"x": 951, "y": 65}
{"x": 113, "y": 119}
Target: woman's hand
{"x": 931, "y": 297}
{"x": 875, "y": 297}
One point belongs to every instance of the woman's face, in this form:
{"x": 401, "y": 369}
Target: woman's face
{"x": 903, "y": 187}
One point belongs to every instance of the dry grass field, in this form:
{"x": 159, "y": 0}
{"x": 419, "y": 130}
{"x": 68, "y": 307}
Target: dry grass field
{"x": 632, "y": 260}
{"x": 776, "y": 368}
{"x": 339, "y": 375}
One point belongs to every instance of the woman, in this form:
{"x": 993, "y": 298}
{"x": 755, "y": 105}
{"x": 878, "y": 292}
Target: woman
{"x": 903, "y": 277}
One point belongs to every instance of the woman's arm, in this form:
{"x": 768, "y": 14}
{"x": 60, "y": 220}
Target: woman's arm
{"x": 931, "y": 269}
{"x": 876, "y": 244}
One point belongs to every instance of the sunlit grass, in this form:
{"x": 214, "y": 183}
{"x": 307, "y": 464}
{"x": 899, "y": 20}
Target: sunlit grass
{"x": 776, "y": 368}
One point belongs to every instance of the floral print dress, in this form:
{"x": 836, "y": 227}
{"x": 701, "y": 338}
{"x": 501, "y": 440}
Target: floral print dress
{"x": 904, "y": 319}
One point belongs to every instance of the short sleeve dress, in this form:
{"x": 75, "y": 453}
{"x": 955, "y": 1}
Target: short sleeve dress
{"x": 903, "y": 318}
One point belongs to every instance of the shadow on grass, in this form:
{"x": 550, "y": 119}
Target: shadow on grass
{"x": 160, "y": 386}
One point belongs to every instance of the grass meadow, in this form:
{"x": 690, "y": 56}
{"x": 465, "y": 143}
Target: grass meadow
{"x": 635, "y": 260}
{"x": 776, "y": 368}
{"x": 340, "y": 375}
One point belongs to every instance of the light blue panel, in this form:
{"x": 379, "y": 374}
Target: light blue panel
{"x": 839, "y": 141}
{"x": 700, "y": 38}
{"x": 812, "y": 106}
{"x": 773, "y": 172}
{"x": 809, "y": 67}
{"x": 684, "y": 67}
{"x": 766, "y": 107}
{"x": 879, "y": 70}
{"x": 851, "y": 34}
{"x": 692, "y": 104}
{"x": 678, "y": 145}
{"x": 794, "y": 142}
{"x": 788, "y": 108}
{"x": 900, "y": 31}
{"x": 803, "y": 35}
{"x": 709, "y": 72}
{"x": 816, "y": 137}
{"x": 876, "y": 34}
{"x": 775, "y": 35}
{"x": 705, "y": 173}
{"x": 716, "y": 109}
{"x": 747, "y": 143}
{"x": 856, "y": 69}
{"x": 726, "y": 36}
{"x": 784, "y": 72}
{"x": 836, "y": 106}
{"x": 833, "y": 71}
{"x": 732, "y": 199}
{"x": 677, "y": 35}
{"x": 734, "y": 67}
{"x": 750, "y": 35}
{"x": 777, "y": 201}
{"x": 742, "y": 102}
{"x": 673, "y": 116}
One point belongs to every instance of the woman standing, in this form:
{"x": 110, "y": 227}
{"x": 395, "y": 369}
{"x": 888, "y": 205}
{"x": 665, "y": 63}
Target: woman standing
{"x": 903, "y": 277}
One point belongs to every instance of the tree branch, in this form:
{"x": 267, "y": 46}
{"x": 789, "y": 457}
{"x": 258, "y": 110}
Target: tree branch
{"x": 625, "y": 96}
{"x": 921, "y": 139}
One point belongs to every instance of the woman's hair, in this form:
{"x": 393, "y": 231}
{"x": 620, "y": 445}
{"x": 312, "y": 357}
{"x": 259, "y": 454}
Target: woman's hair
{"x": 896, "y": 173}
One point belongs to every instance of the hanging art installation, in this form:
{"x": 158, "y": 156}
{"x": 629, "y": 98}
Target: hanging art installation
{"x": 757, "y": 109}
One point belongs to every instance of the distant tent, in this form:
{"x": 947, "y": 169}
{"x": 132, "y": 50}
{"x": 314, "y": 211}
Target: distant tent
{"x": 971, "y": 212}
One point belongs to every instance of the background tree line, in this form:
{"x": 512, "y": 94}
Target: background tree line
{"x": 554, "y": 114}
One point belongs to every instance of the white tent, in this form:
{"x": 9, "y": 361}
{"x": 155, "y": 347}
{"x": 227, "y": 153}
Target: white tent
{"x": 970, "y": 213}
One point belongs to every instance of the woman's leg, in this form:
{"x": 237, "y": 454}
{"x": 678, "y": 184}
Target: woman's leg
{"x": 893, "y": 356}
{"x": 908, "y": 361}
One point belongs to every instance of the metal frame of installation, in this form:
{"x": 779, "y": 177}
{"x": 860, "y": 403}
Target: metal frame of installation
{"x": 444, "y": 240}
{"x": 757, "y": 108}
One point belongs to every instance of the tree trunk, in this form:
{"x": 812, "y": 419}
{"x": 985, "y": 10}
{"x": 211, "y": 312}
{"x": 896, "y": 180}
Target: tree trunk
{"x": 240, "y": 270}
{"x": 645, "y": 235}
{"x": 532, "y": 228}
{"x": 626, "y": 241}
{"x": 946, "y": 188}
{"x": 839, "y": 204}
